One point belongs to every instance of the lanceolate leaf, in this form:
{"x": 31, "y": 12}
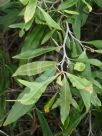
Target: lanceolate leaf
{"x": 98, "y": 2}
{"x": 96, "y": 43}
{"x": 67, "y": 4}
{"x": 35, "y": 68}
{"x": 36, "y": 52}
{"x": 30, "y": 10}
{"x": 4, "y": 2}
{"x": 44, "y": 125}
{"x": 75, "y": 119}
{"x": 49, "y": 20}
{"x": 36, "y": 90}
{"x": 34, "y": 39}
{"x": 80, "y": 83}
{"x": 49, "y": 104}
{"x": 24, "y": 1}
{"x": 19, "y": 109}
{"x": 86, "y": 96}
{"x": 65, "y": 100}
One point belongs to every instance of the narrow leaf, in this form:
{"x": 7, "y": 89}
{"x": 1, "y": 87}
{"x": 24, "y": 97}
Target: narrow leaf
{"x": 44, "y": 125}
{"x": 36, "y": 90}
{"x": 34, "y": 53}
{"x": 35, "y": 68}
{"x": 80, "y": 83}
{"x": 30, "y": 10}
{"x": 49, "y": 20}
{"x": 67, "y": 4}
{"x": 65, "y": 100}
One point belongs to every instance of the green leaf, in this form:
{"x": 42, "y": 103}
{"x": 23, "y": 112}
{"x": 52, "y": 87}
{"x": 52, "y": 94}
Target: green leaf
{"x": 80, "y": 83}
{"x": 33, "y": 41}
{"x": 46, "y": 75}
{"x": 47, "y": 36}
{"x": 76, "y": 25}
{"x": 34, "y": 53}
{"x": 88, "y": 5}
{"x": 94, "y": 62}
{"x": 98, "y": 2}
{"x": 67, "y": 4}
{"x": 30, "y": 10}
{"x": 96, "y": 43}
{"x": 95, "y": 100}
{"x": 35, "y": 68}
{"x": 98, "y": 51}
{"x": 24, "y": 1}
{"x": 71, "y": 12}
{"x": 18, "y": 109}
{"x": 75, "y": 119}
{"x": 4, "y": 2}
{"x": 65, "y": 100}
{"x": 36, "y": 90}
{"x": 49, "y": 20}
{"x": 74, "y": 103}
{"x": 11, "y": 15}
{"x": 79, "y": 66}
{"x": 14, "y": 113}
{"x": 44, "y": 125}
{"x": 86, "y": 96}
{"x": 49, "y": 104}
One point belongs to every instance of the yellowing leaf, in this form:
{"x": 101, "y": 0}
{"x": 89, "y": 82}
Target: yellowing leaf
{"x": 49, "y": 104}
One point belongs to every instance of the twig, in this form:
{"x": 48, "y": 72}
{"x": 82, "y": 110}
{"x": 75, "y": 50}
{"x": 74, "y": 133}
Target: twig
{"x": 3, "y": 133}
{"x": 65, "y": 57}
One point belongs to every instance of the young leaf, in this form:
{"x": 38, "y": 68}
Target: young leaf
{"x": 49, "y": 20}
{"x": 80, "y": 83}
{"x": 65, "y": 100}
{"x": 34, "y": 53}
{"x": 79, "y": 66}
{"x": 30, "y": 10}
{"x": 35, "y": 68}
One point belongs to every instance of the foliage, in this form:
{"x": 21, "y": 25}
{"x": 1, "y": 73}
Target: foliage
{"x": 52, "y": 28}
